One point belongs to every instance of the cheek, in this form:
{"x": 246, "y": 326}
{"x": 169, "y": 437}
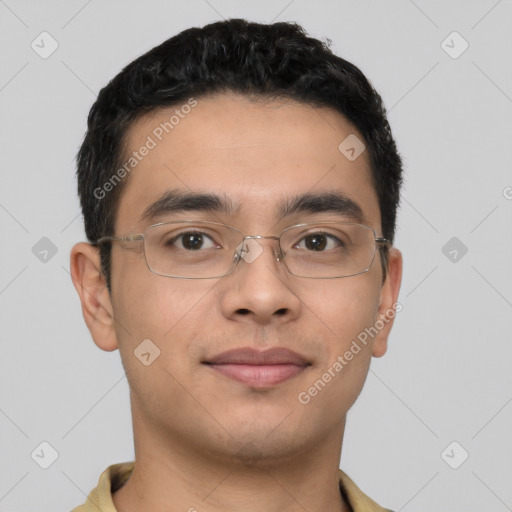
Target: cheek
{"x": 163, "y": 311}
{"x": 345, "y": 308}
{"x": 170, "y": 312}
{"x": 148, "y": 305}
{"x": 345, "y": 312}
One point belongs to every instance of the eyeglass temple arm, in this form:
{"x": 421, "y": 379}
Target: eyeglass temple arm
{"x": 127, "y": 238}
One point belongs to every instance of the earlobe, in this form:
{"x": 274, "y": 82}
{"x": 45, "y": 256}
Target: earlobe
{"x": 91, "y": 287}
{"x": 389, "y": 305}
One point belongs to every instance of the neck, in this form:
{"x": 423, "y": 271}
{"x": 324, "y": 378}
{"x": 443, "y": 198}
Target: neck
{"x": 170, "y": 476}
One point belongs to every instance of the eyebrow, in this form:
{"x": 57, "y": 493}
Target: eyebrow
{"x": 176, "y": 201}
{"x": 327, "y": 202}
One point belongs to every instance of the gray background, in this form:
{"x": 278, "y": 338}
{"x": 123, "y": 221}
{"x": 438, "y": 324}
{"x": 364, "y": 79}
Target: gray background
{"x": 446, "y": 376}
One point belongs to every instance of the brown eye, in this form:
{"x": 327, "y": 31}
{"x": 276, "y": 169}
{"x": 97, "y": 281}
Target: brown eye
{"x": 320, "y": 242}
{"x": 191, "y": 241}
{"x": 316, "y": 242}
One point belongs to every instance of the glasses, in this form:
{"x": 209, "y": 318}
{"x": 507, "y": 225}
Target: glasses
{"x": 192, "y": 249}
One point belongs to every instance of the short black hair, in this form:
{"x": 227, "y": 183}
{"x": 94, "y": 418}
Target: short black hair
{"x": 277, "y": 60}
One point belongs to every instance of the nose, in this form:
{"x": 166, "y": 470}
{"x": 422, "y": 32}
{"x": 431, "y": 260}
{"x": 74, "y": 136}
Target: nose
{"x": 255, "y": 291}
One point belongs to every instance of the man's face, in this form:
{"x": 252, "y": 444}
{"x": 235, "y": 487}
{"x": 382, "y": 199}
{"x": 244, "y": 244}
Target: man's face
{"x": 259, "y": 156}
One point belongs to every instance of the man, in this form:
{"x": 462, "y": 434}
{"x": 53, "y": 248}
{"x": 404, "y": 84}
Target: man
{"x": 239, "y": 186}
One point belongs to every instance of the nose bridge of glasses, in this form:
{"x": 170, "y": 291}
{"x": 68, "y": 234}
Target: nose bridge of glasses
{"x": 253, "y": 242}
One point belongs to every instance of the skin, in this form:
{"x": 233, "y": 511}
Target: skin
{"x": 203, "y": 440}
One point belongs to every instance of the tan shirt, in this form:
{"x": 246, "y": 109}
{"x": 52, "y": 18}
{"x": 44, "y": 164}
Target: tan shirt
{"x": 115, "y": 476}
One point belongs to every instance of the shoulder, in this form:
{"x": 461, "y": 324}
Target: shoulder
{"x": 112, "y": 479}
{"x": 358, "y": 500}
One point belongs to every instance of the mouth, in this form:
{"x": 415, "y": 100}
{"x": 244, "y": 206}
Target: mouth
{"x": 259, "y": 369}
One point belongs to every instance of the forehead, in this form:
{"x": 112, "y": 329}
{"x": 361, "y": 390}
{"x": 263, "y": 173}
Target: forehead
{"x": 257, "y": 156}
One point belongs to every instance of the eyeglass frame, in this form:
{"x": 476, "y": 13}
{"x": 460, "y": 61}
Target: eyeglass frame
{"x": 380, "y": 243}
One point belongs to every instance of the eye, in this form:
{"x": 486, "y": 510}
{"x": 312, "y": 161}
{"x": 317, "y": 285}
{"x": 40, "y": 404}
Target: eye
{"x": 192, "y": 241}
{"x": 319, "y": 242}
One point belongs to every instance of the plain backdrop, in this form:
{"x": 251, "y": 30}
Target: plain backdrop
{"x": 444, "y": 389}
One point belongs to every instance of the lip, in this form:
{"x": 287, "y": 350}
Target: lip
{"x": 259, "y": 369}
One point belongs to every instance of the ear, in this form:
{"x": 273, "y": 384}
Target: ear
{"x": 92, "y": 289}
{"x": 388, "y": 306}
